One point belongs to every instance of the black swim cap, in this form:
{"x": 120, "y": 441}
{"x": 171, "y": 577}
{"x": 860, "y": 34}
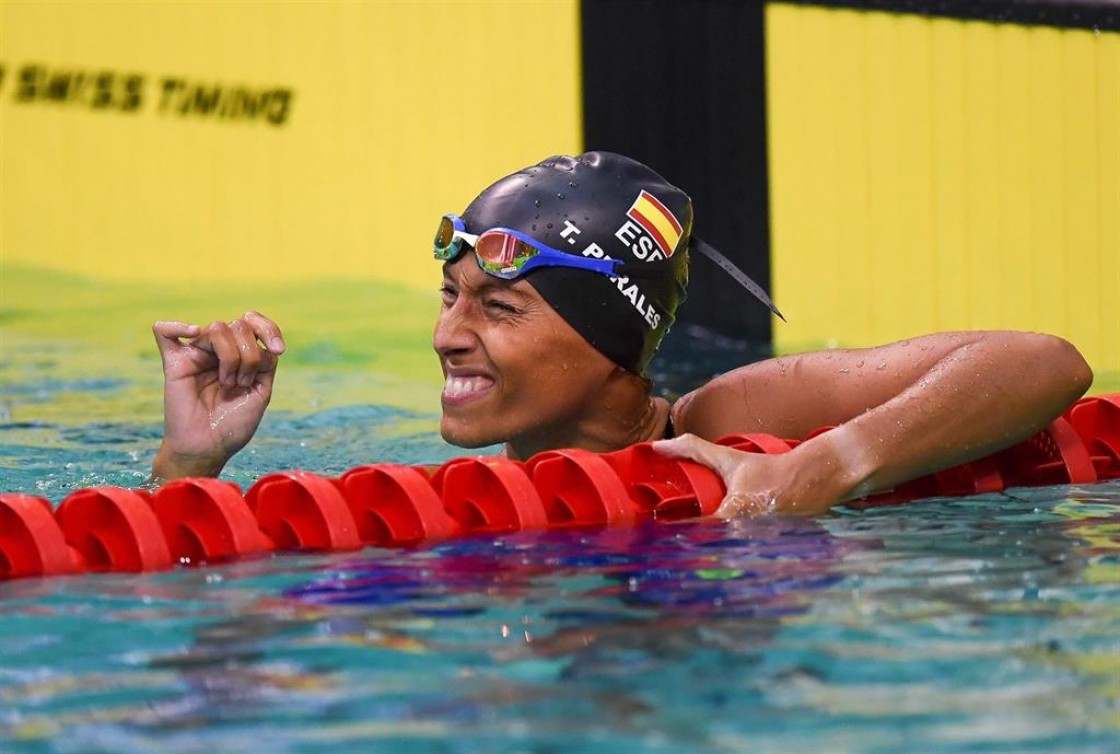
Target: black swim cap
{"x": 600, "y": 204}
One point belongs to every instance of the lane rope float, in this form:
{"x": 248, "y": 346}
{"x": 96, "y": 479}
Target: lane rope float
{"x": 192, "y": 521}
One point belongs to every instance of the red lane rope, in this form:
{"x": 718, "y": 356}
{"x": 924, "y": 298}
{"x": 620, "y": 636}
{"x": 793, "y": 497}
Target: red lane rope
{"x": 390, "y": 505}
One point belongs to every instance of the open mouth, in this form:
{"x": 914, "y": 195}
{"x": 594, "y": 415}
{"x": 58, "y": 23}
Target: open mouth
{"x": 458, "y": 390}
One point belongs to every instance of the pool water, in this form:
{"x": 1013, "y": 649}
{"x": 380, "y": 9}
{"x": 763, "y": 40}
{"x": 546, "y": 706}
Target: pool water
{"x": 990, "y": 623}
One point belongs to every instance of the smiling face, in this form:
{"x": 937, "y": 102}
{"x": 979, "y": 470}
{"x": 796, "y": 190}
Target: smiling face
{"x": 514, "y": 371}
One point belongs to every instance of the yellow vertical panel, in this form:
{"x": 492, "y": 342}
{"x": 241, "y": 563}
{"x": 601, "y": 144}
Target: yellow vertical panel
{"x": 1108, "y": 200}
{"x": 1015, "y": 268}
{"x": 1046, "y": 218}
{"x": 799, "y": 149}
{"x": 900, "y": 123}
{"x": 916, "y": 161}
{"x": 819, "y": 201}
{"x": 949, "y": 170}
{"x": 841, "y": 74}
{"x": 990, "y": 152}
{"x": 983, "y": 181}
{"x": 1078, "y": 98}
{"x": 884, "y": 254}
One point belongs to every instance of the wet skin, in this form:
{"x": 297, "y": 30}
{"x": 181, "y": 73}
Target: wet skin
{"x": 516, "y": 372}
{"x": 217, "y": 384}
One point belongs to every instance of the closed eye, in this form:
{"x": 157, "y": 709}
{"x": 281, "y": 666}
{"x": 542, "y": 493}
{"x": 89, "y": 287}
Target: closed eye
{"x": 501, "y": 306}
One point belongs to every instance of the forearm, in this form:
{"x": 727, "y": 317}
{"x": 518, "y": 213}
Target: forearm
{"x": 982, "y": 396}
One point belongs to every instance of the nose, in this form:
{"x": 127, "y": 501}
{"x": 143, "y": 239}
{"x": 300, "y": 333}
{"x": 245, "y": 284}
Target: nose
{"x": 453, "y": 332}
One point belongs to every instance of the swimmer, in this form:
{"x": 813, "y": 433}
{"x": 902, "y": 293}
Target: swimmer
{"x": 560, "y": 281}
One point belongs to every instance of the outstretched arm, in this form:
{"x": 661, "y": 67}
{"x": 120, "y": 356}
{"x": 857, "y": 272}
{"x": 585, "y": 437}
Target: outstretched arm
{"x": 217, "y": 384}
{"x": 903, "y": 410}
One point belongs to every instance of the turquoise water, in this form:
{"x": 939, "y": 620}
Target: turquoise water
{"x": 988, "y": 624}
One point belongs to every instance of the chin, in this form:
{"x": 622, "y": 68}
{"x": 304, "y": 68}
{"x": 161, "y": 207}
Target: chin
{"x": 465, "y": 438}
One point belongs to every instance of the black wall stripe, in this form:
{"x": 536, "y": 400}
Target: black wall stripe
{"x": 680, "y": 87}
{"x": 1075, "y": 14}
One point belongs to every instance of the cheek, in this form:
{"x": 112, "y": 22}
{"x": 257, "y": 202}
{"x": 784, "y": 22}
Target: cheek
{"x": 562, "y": 370}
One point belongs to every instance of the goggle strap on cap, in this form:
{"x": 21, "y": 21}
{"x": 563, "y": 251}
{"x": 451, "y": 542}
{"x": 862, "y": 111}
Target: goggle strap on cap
{"x": 516, "y": 254}
{"x": 739, "y": 276}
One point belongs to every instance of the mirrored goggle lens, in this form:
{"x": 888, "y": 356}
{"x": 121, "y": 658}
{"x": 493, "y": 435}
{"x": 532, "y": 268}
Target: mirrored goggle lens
{"x": 446, "y": 245}
{"x": 502, "y": 254}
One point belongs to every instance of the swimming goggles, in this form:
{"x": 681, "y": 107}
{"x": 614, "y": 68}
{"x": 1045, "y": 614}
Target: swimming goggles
{"x": 509, "y": 254}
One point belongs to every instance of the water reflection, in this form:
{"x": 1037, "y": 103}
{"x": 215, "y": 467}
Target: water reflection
{"x": 492, "y": 625}
{"x": 959, "y": 625}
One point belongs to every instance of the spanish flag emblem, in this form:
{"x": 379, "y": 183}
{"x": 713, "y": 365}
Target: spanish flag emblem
{"x": 657, "y": 220}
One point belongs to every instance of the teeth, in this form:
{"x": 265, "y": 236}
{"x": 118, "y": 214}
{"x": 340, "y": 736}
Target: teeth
{"x": 460, "y": 385}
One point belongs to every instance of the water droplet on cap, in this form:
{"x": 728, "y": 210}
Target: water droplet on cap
{"x": 536, "y": 202}
{"x": 559, "y": 196}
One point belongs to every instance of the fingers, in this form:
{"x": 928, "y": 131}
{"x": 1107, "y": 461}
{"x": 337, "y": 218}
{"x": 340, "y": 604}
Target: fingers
{"x": 266, "y": 331}
{"x": 726, "y": 462}
{"x": 237, "y": 346}
{"x": 721, "y": 459}
{"x": 249, "y": 333}
{"x": 248, "y": 353}
{"x": 218, "y": 339}
{"x": 237, "y": 351}
{"x": 168, "y": 334}
{"x": 266, "y": 373}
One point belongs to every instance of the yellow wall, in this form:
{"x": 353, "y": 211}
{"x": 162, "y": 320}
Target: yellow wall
{"x": 399, "y": 112}
{"x": 931, "y": 174}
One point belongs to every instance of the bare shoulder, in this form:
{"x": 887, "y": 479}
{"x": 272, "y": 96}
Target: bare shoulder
{"x": 790, "y": 396}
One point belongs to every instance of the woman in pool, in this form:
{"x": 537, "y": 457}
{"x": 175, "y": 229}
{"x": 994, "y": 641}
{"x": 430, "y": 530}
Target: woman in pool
{"x": 559, "y": 283}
